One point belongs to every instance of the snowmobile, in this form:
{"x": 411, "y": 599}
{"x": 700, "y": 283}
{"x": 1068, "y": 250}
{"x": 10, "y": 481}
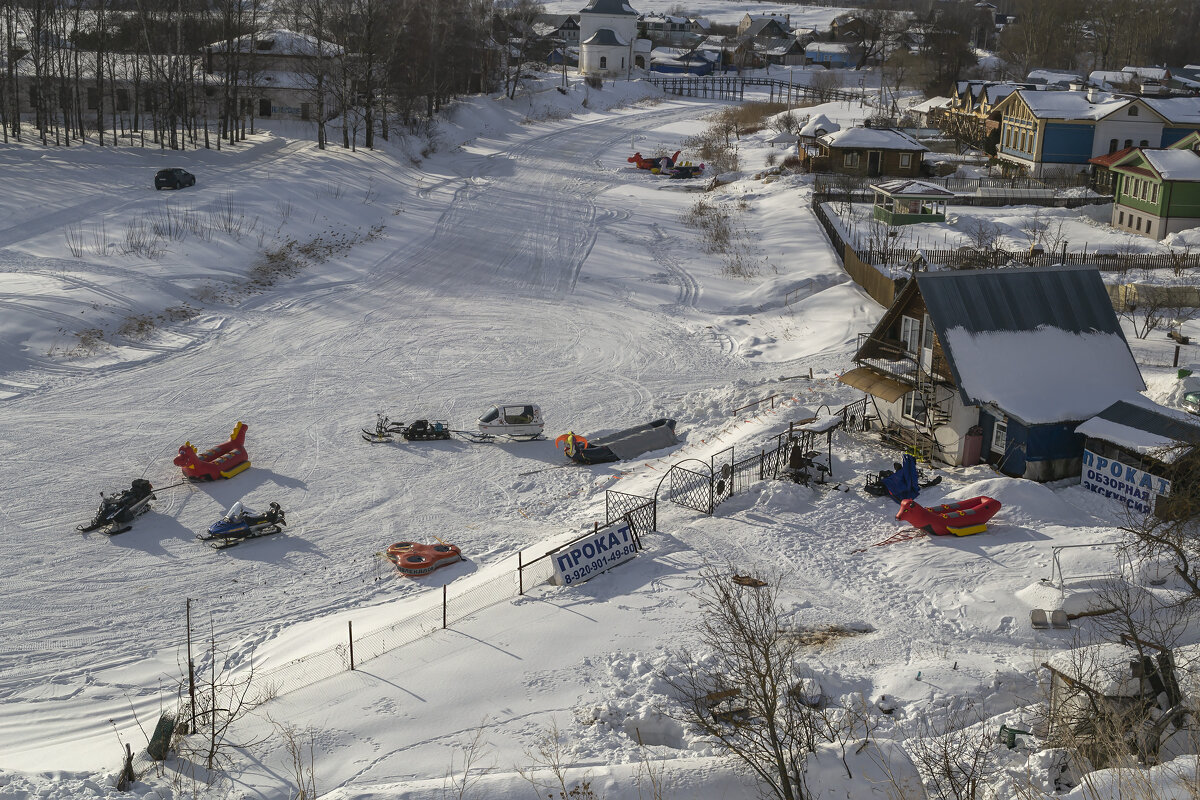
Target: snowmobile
{"x": 419, "y": 430}
{"x": 514, "y": 421}
{"x": 117, "y": 511}
{"x": 241, "y": 523}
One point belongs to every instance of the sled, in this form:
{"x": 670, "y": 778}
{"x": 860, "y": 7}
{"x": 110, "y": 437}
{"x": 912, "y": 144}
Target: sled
{"x": 223, "y": 461}
{"x": 629, "y": 443}
{"x": 655, "y": 165}
{"x": 964, "y": 518}
{"x": 511, "y": 421}
{"x": 416, "y": 560}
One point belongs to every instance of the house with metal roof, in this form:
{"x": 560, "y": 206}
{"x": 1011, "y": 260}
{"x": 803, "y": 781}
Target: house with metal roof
{"x": 1134, "y": 451}
{"x": 1156, "y": 192}
{"x": 1063, "y": 130}
{"x": 997, "y": 366}
{"x": 871, "y": 152}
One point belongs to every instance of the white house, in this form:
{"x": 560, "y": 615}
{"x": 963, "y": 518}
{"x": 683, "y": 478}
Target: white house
{"x": 607, "y": 36}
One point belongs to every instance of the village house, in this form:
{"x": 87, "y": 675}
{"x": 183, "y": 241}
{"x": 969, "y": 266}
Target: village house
{"x": 869, "y": 151}
{"x": 665, "y": 30}
{"x": 1135, "y": 450}
{"x": 1156, "y": 192}
{"x": 279, "y": 68}
{"x": 1063, "y": 130}
{"x": 557, "y": 27}
{"x": 997, "y": 366}
{"x": 768, "y": 26}
{"x": 968, "y": 114}
{"x": 833, "y": 55}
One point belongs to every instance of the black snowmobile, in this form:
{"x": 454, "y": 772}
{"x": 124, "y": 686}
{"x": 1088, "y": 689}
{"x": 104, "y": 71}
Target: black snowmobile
{"x": 117, "y": 511}
{"x": 419, "y": 431}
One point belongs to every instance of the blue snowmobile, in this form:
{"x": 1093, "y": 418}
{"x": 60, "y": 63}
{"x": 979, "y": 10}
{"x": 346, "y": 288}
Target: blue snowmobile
{"x": 241, "y": 523}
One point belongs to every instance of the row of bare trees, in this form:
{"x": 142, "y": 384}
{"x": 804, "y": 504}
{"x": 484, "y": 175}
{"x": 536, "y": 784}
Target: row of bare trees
{"x": 190, "y": 72}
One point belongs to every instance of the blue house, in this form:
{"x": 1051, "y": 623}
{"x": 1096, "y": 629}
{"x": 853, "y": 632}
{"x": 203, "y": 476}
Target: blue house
{"x": 1062, "y": 130}
{"x": 997, "y": 366}
{"x": 833, "y": 55}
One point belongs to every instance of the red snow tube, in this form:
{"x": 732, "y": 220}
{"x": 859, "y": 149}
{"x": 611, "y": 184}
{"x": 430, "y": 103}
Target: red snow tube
{"x": 961, "y": 519}
{"x": 416, "y": 559}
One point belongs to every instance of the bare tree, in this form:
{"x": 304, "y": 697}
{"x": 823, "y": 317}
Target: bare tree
{"x": 745, "y": 695}
{"x": 955, "y": 757}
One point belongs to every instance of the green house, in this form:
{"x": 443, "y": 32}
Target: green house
{"x": 906, "y": 202}
{"x": 1157, "y": 192}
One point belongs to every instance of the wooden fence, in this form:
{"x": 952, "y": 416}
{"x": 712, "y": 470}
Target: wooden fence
{"x": 734, "y": 88}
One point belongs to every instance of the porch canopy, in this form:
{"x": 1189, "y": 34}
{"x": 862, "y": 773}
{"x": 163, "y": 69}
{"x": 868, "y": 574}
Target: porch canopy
{"x": 874, "y": 383}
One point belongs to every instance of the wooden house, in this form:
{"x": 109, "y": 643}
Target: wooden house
{"x": 1042, "y": 130}
{"x": 997, "y": 366}
{"x": 871, "y": 152}
{"x": 1156, "y": 192}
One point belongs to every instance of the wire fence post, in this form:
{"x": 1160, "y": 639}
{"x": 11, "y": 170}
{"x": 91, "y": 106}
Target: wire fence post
{"x": 762, "y": 463}
{"x": 444, "y": 601}
{"x": 521, "y": 575}
{"x": 350, "y": 627}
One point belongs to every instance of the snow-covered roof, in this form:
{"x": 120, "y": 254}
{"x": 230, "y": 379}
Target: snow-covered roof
{"x": 783, "y": 137}
{"x": 910, "y": 188}
{"x": 1142, "y": 426}
{"x": 1071, "y": 105}
{"x": 930, "y": 104}
{"x": 665, "y": 18}
{"x": 877, "y": 138}
{"x": 1181, "y": 110}
{"x": 819, "y": 125}
{"x": 830, "y": 47}
{"x": 1042, "y": 345}
{"x": 1052, "y": 77}
{"x": 1148, "y": 73}
{"x": 617, "y": 7}
{"x": 1100, "y": 77}
{"x": 1175, "y": 165}
{"x": 279, "y": 42}
{"x": 606, "y": 37}
{"x": 998, "y": 91}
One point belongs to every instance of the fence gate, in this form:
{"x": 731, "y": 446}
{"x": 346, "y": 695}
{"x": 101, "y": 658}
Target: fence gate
{"x": 690, "y": 488}
{"x": 721, "y": 467}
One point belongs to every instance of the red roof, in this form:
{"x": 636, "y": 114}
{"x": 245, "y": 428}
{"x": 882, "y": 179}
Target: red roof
{"x": 1109, "y": 159}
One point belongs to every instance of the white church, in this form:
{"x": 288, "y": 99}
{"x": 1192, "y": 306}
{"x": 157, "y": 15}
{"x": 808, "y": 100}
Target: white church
{"x": 608, "y": 41}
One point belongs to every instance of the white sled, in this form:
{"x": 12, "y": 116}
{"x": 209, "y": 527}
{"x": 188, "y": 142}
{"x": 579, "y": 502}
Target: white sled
{"x": 517, "y": 421}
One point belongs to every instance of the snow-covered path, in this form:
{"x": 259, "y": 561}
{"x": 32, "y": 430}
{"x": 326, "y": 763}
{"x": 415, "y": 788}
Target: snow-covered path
{"x": 479, "y": 289}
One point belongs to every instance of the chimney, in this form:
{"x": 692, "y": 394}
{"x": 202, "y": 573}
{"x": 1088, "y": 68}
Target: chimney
{"x": 1093, "y": 94}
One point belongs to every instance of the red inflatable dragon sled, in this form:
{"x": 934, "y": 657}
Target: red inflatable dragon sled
{"x": 223, "y": 461}
{"x": 654, "y": 163}
{"x": 960, "y": 519}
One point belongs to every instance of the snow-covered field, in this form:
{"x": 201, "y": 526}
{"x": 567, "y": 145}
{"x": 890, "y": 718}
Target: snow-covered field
{"x": 519, "y": 259}
{"x": 722, "y": 12}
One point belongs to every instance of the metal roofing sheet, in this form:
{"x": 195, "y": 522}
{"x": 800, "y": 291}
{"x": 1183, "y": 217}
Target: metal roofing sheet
{"x": 1165, "y": 422}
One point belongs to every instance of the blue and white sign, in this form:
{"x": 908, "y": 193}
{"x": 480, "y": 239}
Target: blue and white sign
{"x": 1121, "y": 482}
{"x": 588, "y": 557}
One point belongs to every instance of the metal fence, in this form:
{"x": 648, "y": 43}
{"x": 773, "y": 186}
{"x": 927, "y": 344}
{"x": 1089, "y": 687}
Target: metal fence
{"x": 523, "y": 574}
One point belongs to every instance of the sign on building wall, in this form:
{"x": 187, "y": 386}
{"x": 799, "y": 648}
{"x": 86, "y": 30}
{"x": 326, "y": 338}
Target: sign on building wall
{"x": 1121, "y": 482}
{"x": 588, "y": 557}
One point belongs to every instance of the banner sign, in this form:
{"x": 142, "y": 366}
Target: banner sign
{"x": 588, "y": 557}
{"x": 1125, "y": 484}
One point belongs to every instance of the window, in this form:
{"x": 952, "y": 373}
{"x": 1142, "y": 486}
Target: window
{"x": 603, "y": 62}
{"x": 1129, "y": 142}
{"x": 1144, "y": 143}
{"x": 905, "y": 159}
{"x": 1137, "y": 223}
{"x": 306, "y": 111}
{"x": 1133, "y": 111}
{"x": 1112, "y": 145}
{"x": 1154, "y": 193}
{"x": 1000, "y": 437}
{"x": 851, "y": 160}
{"x": 910, "y": 334}
{"x": 1120, "y": 217}
{"x": 914, "y": 407}
{"x": 622, "y": 62}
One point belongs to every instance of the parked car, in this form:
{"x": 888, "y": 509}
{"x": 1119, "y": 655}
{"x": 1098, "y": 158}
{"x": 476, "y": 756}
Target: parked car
{"x": 173, "y": 179}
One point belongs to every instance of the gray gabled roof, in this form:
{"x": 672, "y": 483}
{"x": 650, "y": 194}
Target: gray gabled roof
{"x": 606, "y": 37}
{"x": 608, "y": 7}
{"x": 1165, "y": 424}
{"x": 1041, "y": 344}
{"x": 986, "y": 301}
